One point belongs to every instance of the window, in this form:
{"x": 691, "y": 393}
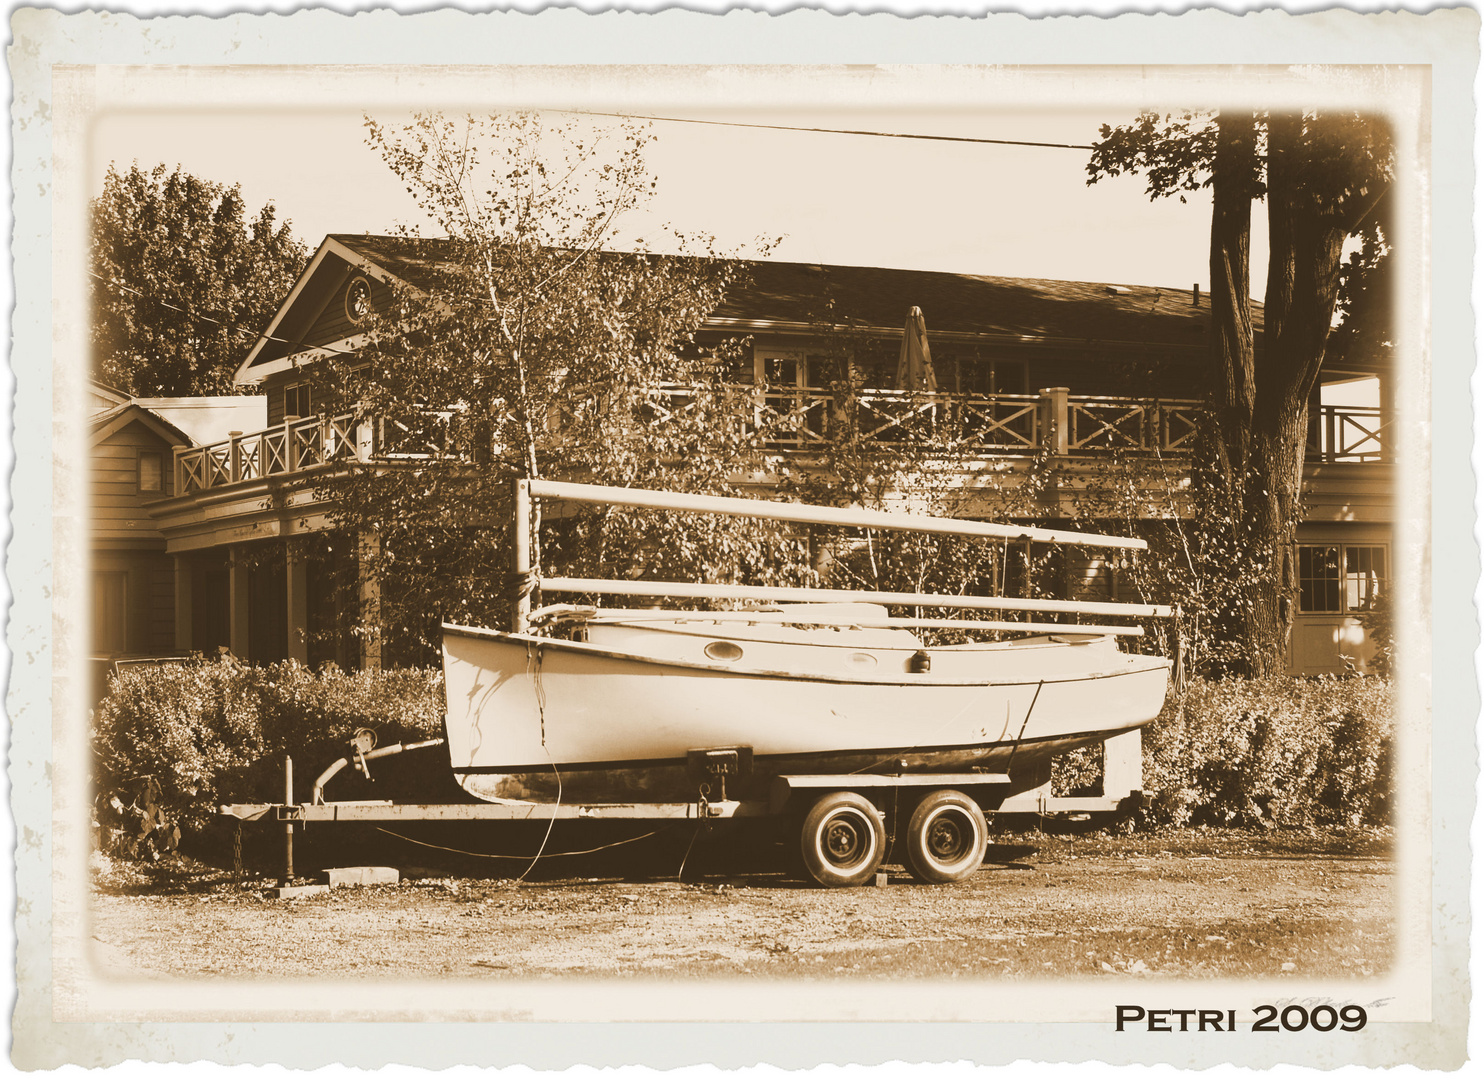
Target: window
{"x": 1365, "y": 568}
{"x": 296, "y": 400}
{"x": 1339, "y": 578}
{"x": 151, "y": 472}
{"x": 782, "y": 369}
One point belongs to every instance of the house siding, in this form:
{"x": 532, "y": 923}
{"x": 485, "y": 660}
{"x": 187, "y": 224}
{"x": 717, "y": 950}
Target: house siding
{"x": 117, "y": 503}
{"x": 334, "y": 323}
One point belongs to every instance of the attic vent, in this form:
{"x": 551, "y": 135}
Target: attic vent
{"x": 358, "y": 300}
{"x": 1117, "y": 290}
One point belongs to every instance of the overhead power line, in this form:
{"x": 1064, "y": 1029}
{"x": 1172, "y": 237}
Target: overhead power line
{"x": 841, "y": 131}
{"x": 230, "y": 327}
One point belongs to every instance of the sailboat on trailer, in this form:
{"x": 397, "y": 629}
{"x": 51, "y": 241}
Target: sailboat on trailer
{"x": 813, "y": 681}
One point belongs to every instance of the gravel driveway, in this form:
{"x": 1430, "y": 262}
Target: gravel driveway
{"x": 1187, "y": 904}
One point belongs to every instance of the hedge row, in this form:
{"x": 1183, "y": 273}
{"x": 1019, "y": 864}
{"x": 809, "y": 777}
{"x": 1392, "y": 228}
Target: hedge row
{"x": 1278, "y": 751}
{"x": 1229, "y": 752}
{"x": 216, "y": 732}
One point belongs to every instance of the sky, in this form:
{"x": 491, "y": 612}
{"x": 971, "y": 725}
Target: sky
{"x": 1012, "y": 211}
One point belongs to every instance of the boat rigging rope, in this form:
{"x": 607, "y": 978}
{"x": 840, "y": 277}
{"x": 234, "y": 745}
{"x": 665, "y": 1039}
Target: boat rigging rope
{"x": 534, "y": 651}
{"x": 1178, "y": 675}
{"x": 1034, "y": 698}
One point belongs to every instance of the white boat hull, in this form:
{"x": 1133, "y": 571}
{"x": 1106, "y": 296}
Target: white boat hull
{"x": 614, "y": 717}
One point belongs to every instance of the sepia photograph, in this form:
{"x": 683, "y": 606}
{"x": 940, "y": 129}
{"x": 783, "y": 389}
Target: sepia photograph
{"x": 605, "y": 540}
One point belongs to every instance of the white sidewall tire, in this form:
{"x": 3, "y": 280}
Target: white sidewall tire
{"x": 842, "y": 840}
{"x": 940, "y": 811}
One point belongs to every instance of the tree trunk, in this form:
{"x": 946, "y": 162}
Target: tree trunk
{"x": 1305, "y": 234}
{"x": 1224, "y": 462}
{"x": 1233, "y": 390}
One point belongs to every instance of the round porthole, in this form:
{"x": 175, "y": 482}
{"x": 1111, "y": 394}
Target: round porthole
{"x": 358, "y": 300}
{"x": 724, "y": 650}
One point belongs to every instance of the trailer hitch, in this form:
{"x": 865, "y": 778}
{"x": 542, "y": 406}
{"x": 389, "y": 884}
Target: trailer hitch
{"x": 362, "y": 754}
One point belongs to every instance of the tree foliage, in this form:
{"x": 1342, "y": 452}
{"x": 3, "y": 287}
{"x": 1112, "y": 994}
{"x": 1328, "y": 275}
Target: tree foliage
{"x": 182, "y": 280}
{"x": 528, "y": 348}
{"x": 1321, "y": 175}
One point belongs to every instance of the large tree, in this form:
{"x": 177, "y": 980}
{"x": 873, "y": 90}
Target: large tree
{"x": 1321, "y": 174}
{"x": 530, "y": 345}
{"x": 182, "y": 280}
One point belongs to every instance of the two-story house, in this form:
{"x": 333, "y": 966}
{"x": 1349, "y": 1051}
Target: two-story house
{"x": 1083, "y": 370}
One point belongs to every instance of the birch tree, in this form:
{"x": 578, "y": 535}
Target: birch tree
{"x": 526, "y": 344}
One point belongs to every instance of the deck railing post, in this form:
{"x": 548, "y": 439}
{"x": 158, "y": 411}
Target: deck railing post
{"x": 520, "y": 621}
{"x": 290, "y": 448}
{"x": 1054, "y": 414}
{"x": 366, "y": 439}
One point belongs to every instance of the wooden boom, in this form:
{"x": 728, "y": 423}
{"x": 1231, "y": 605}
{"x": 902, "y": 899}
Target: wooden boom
{"x": 804, "y": 513}
{"x": 799, "y": 618}
{"x": 820, "y": 515}
{"x": 699, "y": 591}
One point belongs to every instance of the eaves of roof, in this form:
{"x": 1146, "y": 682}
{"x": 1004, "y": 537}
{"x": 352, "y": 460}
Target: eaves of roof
{"x": 102, "y": 425}
{"x": 799, "y": 298}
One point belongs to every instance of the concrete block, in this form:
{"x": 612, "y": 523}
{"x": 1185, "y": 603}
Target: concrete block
{"x": 880, "y": 878}
{"x": 361, "y": 875}
{"x": 291, "y": 892}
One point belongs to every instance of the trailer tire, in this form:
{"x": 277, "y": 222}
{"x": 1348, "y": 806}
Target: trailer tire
{"x": 842, "y": 840}
{"x": 946, "y": 838}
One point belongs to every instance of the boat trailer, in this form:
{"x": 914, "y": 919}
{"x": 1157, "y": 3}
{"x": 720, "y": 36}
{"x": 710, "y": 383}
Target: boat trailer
{"x": 842, "y": 832}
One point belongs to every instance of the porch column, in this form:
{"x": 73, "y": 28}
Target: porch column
{"x": 1389, "y": 431}
{"x": 369, "y": 597}
{"x": 1054, "y": 418}
{"x": 183, "y": 609}
{"x": 237, "y": 603}
{"x": 296, "y": 584}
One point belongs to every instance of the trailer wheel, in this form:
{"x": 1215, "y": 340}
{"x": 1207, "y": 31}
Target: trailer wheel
{"x": 842, "y": 840}
{"x": 946, "y": 838}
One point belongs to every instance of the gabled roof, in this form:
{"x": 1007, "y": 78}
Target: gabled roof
{"x": 799, "y": 297}
{"x": 409, "y": 258}
{"x": 105, "y": 396}
{"x": 328, "y": 269}
{"x": 110, "y": 421}
{"x": 795, "y": 295}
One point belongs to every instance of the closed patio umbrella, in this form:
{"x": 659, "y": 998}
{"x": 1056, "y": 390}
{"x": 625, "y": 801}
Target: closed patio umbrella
{"x": 915, "y": 365}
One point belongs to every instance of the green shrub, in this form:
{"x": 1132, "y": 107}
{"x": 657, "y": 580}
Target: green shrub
{"x": 214, "y": 732}
{"x": 1279, "y": 751}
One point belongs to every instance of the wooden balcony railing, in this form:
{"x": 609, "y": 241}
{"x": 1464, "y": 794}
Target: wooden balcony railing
{"x": 297, "y": 446}
{"x": 999, "y": 423}
{"x": 1348, "y": 433}
{"x": 793, "y": 420}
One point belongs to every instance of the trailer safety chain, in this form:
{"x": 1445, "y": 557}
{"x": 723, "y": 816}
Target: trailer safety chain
{"x": 703, "y": 826}
{"x": 237, "y": 852}
{"x": 548, "y": 855}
